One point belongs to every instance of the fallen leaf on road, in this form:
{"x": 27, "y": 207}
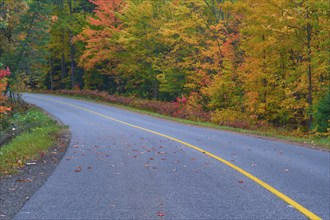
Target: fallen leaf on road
{"x": 194, "y": 158}
{"x": 240, "y": 181}
{"x": 151, "y": 158}
{"x": 78, "y": 169}
{"x": 160, "y": 214}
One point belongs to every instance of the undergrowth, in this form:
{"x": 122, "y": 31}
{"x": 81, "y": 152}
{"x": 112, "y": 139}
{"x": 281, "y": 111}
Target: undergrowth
{"x": 31, "y": 144}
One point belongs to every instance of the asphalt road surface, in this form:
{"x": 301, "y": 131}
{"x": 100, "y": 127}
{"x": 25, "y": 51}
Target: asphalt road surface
{"x": 125, "y": 165}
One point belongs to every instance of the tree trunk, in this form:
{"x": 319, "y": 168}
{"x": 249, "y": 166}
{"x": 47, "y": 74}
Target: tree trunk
{"x": 51, "y": 73}
{"x": 63, "y": 75}
{"x": 309, "y": 73}
{"x": 72, "y": 62}
{"x": 72, "y": 50}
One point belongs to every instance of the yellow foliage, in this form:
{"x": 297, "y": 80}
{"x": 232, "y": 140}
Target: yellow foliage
{"x": 229, "y": 117}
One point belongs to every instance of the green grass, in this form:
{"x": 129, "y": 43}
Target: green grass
{"x": 30, "y": 144}
{"x": 312, "y": 141}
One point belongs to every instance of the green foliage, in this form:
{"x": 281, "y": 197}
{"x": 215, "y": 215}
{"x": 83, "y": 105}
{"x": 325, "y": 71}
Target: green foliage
{"x": 322, "y": 115}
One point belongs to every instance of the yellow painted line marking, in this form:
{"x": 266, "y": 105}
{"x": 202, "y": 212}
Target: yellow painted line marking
{"x": 282, "y": 196}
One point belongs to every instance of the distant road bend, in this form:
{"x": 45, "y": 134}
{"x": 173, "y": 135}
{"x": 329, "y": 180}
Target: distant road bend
{"x": 126, "y": 165}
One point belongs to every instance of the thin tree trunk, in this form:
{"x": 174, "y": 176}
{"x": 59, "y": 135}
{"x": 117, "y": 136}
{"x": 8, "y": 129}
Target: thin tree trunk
{"x": 309, "y": 73}
{"x": 72, "y": 61}
{"x": 72, "y": 50}
{"x": 51, "y": 73}
{"x": 63, "y": 75}
{"x": 51, "y": 80}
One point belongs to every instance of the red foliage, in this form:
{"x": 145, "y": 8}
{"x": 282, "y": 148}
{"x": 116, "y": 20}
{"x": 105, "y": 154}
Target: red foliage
{"x": 4, "y": 73}
{"x": 179, "y": 109}
{"x": 3, "y": 84}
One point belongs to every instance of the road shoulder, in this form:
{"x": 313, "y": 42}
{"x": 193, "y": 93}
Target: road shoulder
{"x": 16, "y": 189}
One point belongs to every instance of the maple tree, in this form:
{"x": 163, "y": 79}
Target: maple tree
{"x": 99, "y": 38}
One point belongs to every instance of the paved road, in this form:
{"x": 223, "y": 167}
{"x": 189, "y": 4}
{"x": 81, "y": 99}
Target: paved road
{"x": 117, "y": 171}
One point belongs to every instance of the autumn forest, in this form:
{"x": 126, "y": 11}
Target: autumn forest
{"x": 239, "y": 63}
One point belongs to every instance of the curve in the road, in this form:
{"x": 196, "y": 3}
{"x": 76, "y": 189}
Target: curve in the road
{"x": 274, "y": 191}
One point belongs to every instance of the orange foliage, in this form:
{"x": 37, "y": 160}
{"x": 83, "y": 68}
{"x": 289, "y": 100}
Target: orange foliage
{"x": 98, "y": 36}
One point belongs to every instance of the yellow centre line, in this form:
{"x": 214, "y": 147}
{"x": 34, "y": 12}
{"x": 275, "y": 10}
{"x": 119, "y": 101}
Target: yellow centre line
{"x": 282, "y": 196}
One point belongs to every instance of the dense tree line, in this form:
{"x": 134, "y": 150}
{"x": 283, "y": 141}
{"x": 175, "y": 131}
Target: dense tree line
{"x": 249, "y": 60}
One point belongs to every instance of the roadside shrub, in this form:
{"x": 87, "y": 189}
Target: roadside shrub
{"x": 232, "y": 118}
{"x": 3, "y": 98}
{"x": 182, "y": 108}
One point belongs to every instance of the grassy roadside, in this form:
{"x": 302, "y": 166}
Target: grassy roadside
{"x": 311, "y": 141}
{"x": 39, "y": 135}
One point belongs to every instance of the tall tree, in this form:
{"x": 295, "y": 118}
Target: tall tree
{"x": 30, "y": 56}
{"x": 101, "y": 39}
{"x": 282, "y": 44}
